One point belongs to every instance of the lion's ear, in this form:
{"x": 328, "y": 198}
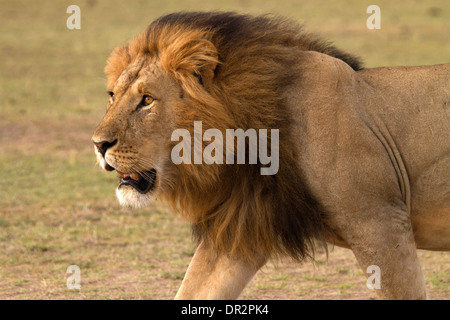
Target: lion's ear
{"x": 203, "y": 61}
{"x": 192, "y": 59}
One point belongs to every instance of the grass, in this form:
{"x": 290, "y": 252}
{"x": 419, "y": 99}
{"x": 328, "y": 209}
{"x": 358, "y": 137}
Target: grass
{"x": 58, "y": 208}
{"x": 344, "y": 287}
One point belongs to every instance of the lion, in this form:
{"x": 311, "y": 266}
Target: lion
{"x": 364, "y": 154}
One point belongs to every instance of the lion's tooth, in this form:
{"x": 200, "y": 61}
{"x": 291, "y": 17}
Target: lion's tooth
{"x": 134, "y": 176}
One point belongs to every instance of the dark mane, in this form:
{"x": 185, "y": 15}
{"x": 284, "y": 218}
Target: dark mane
{"x": 234, "y": 69}
{"x": 241, "y": 30}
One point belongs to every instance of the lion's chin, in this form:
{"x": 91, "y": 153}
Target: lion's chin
{"x": 130, "y": 197}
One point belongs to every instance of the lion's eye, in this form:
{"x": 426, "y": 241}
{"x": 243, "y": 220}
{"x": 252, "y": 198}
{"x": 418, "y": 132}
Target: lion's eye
{"x": 147, "y": 100}
{"x": 111, "y": 96}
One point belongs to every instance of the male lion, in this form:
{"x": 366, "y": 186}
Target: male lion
{"x": 364, "y": 154}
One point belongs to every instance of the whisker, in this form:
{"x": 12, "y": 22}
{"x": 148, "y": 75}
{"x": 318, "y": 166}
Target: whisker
{"x": 141, "y": 166}
{"x": 142, "y": 162}
{"x": 150, "y": 176}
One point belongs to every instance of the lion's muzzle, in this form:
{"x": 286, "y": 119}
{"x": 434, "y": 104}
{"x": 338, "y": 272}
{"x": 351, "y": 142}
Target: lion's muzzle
{"x": 143, "y": 182}
{"x": 102, "y": 147}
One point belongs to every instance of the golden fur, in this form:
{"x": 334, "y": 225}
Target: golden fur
{"x": 235, "y": 71}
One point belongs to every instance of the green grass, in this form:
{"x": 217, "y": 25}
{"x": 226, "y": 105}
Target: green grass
{"x": 439, "y": 279}
{"x": 48, "y": 179}
{"x": 315, "y": 278}
{"x": 271, "y": 286}
{"x": 343, "y": 288}
{"x": 58, "y": 208}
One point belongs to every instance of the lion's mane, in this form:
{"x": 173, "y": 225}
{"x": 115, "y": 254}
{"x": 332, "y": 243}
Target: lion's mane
{"x": 235, "y": 69}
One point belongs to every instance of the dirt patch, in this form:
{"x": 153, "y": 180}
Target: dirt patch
{"x": 42, "y": 136}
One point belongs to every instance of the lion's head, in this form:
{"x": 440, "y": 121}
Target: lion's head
{"x": 228, "y": 71}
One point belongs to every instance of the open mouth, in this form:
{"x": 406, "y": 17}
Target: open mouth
{"x": 143, "y": 182}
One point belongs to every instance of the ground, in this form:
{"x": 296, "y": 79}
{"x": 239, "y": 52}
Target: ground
{"x": 57, "y": 208}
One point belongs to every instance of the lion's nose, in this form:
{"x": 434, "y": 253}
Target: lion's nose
{"x": 103, "y": 146}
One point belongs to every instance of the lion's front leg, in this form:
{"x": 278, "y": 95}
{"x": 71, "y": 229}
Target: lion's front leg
{"x": 215, "y": 276}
